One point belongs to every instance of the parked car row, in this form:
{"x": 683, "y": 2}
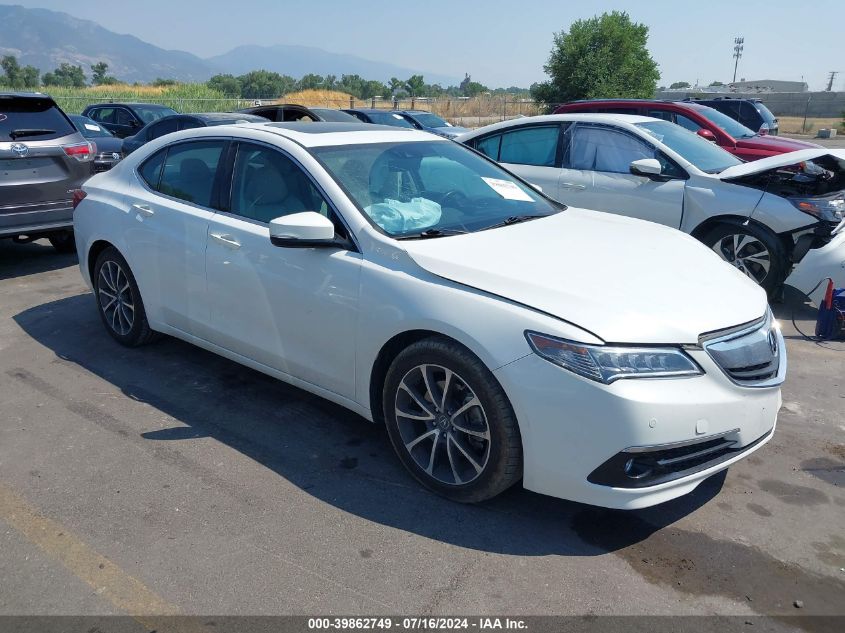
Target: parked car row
{"x": 763, "y": 217}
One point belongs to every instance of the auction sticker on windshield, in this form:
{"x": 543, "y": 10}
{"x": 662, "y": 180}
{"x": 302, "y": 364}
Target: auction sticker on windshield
{"x": 508, "y": 190}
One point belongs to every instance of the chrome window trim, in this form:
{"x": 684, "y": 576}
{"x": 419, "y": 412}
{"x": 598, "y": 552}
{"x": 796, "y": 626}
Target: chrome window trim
{"x": 670, "y": 445}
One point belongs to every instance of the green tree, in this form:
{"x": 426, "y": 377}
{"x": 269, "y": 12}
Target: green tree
{"x": 66, "y": 75}
{"x": 716, "y": 83}
{"x": 374, "y": 88}
{"x": 159, "y": 82}
{"x": 11, "y": 71}
{"x": 263, "y": 84}
{"x": 415, "y": 85}
{"x": 311, "y": 82}
{"x": 98, "y": 73}
{"x": 30, "y": 77}
{"x": 604, "y": 56}
{"x": 679, "y": 85}
{"x": 229, "y": 85}
{"x": 397, "y": 87}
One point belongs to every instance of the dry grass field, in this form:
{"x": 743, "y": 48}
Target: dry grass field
{"x": 793, "y": 124}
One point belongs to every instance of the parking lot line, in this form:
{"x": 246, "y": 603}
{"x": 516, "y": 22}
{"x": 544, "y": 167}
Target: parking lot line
{"x": 124, "y": 591}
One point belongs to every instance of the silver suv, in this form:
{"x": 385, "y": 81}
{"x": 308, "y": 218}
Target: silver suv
{"x": 43, "y": 160}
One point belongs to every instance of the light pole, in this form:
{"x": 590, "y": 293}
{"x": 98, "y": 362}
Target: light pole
{"x": 738, "y": 42}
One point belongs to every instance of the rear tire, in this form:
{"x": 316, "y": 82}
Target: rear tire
{"x": 450, "y": 422}
{"x": 63, "y": 242}
{"x": 752, "y": 249}
{"x": 119, "y": 300}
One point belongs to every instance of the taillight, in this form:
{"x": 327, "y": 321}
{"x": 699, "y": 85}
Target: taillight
{"x": 764, "y": 129}
{"x": 80, "y": 151}
{"x": 78, "y": 196}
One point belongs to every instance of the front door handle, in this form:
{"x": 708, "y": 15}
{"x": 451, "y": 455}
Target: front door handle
{"x": 143, "y": 209}
{"x": 572, "y": 185}
{"x": 227, "y": 240}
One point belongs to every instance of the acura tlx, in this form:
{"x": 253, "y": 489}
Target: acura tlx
{"x": 498, "y": 335}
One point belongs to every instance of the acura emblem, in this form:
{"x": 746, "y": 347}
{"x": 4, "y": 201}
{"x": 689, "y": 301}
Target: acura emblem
{"x": 20, "y": 149}
{"x": 773, "y": 342}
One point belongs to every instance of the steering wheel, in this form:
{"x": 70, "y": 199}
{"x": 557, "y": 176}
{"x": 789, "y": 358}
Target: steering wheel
{"x": 454, "y": 198}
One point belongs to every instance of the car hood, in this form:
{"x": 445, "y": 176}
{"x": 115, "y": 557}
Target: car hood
{"x": 774, "y": 144}
{"x": 452, "y": 130}
{"x": 780, "y": 160}
{"x": 624, "y": 280}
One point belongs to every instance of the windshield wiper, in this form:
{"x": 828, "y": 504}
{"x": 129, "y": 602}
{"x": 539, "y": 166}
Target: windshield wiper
{"x": 430, "y": 233}
{"x": 29, "y": 132}
{"x": 514, "y": 219}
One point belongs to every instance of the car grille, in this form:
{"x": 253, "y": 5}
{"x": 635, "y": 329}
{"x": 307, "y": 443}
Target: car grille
{"x": 750, "y": 355}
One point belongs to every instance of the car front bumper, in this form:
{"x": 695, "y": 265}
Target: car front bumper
{"x": 572, "y": 426}
{"x": 818, "y": 263}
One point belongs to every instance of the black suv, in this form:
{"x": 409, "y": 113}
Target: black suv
{"x": 125, "y": 119}
{"x": 752, "y": 113}
{"x": 43, "y": 160}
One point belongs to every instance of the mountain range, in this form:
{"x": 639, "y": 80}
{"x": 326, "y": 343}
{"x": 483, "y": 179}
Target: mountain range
{"x": 45, "y": 39}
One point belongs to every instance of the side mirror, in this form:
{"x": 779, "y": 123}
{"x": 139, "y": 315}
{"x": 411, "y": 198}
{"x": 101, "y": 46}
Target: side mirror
{"x": 646, "y": 167}
{"x": 707, "y": 135}
{"x": 308, "y": 229}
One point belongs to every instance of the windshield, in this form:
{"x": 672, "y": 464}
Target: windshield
{"x": 728, "y": 125}
{"x": 429, "y": 120}
{"x": 150, "y": 114}
{"x": 389, "y": 118}
{"x": 89, "y": 127}
{"x": 336, "y": 116}
{"x": 438, "y": 187}
{"x": 707, "y": 156}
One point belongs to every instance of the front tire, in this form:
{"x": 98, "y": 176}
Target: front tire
{"x": 450, "y": 422}
{"x": 752, "y": 249}
{"x": 119, "y": 300}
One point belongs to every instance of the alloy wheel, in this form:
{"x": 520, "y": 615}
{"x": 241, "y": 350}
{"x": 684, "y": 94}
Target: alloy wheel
{"x": 746, "y": 253}
{"x": 442, "y": 424}
{"x": 115, "y": 297}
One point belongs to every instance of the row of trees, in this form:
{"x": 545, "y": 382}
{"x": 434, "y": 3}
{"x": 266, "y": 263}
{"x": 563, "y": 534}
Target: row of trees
{"x": 264, "y": 83}
{"x": 66, "y": 75}
{"x": 680, "y": 85}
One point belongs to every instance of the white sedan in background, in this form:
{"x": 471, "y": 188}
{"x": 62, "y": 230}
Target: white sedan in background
{"x": 419, "y": 284}
{"x": 764, "y": 217}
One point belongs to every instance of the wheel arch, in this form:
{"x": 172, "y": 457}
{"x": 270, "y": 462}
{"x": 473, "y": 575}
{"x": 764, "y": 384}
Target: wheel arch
{"x": 94, "y": 252}
{"x": 389, "y": 351}
{"x": 737, "y": 220}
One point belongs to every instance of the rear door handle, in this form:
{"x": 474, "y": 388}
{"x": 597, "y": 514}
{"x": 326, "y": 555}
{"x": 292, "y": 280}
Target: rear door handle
{"x": 572, "y": 185}
{"x": 227, "y": 240}
{"x": 143, "y": 209}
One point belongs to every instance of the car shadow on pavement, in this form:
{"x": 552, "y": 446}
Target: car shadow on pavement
{"x": 325, "y": 450}
{"x": 20, "y": 260}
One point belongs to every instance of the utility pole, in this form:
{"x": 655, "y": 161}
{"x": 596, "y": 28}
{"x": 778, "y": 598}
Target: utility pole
{"x": 738, "y": 46}
{"x": 830, "y": 79}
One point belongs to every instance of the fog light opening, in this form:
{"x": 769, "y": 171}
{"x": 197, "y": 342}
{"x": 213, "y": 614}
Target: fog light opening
{"x": 636, "y": 469}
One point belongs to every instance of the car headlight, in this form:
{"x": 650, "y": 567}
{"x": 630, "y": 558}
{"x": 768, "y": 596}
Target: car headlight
{"x": 604, "y": 363}
{"x": 829, "y": 208}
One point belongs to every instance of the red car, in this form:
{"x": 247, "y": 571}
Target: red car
{"x": 706, "y": 122}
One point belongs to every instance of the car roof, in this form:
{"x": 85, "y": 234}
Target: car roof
{"x": 584, "y": 117}
{"x": 25, "y": 95}
{"x": 322, "y": 134}
{"x": 222, "y": 116}
{"x": 128, "y": 104}
{"x": 367, "y": 110}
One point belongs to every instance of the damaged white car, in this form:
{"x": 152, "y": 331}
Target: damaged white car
{"x": 778, "y": 220}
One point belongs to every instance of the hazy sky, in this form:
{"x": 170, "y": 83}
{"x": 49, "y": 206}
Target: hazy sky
{"x": 499, "y": 42}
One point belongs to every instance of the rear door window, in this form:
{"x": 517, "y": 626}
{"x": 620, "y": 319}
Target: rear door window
{"x": 189, "y": 171}
{"x": 150, "y": 171}
{"x": 40, "y": 117}
{"x": 530, "y": 146}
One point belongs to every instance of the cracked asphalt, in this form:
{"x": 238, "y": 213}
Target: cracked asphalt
{"x": 169, "y": 480}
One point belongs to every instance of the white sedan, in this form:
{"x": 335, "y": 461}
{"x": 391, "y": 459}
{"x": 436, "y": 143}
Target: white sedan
{"x": 763, "y": 217}
{"x": 419, "y": 284}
